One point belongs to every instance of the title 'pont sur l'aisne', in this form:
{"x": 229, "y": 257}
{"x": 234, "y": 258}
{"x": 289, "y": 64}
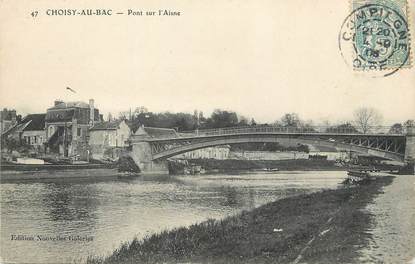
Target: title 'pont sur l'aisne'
{"x": 109, "y": 12}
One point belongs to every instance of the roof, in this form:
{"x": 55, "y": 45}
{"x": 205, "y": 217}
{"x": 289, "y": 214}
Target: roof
{"x": 113, "y": 125}
{"x": 35, "y": 122}
{"x": 17, "y": 128}
{"x": 32, "y": 122}
{"x": 74, "y": 104}
{"x": 60, "y": 115}
{"x": 160, "y": 132}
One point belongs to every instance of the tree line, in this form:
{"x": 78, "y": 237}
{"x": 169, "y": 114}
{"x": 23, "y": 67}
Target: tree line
{"x": 365, "y": 120}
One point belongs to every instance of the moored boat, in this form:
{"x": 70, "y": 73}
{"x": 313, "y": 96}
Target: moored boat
{"x": 358, "y": 173}
{"x": 356, "y": 177}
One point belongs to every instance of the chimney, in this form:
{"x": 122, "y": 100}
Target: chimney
{"x": 58, "y": 101}
{"x": 91, "y": 111}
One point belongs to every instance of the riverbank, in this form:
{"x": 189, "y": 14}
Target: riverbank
{"x": 69, "y": 172}
{"x": 233, "y": 165}
{"x": 324, "y": 227}
{"x": 46, "y": 167}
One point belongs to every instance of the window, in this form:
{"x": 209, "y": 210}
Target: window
{"x": 79, "y": 132}
{"x": 50, "y": 131}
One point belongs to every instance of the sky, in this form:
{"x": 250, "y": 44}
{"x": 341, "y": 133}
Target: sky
{"x": 259, "y": 58}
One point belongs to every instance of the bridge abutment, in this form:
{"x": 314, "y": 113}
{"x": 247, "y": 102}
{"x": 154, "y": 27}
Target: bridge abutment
{"x": 141, "y": 154}
{"x": 143, "y": 157}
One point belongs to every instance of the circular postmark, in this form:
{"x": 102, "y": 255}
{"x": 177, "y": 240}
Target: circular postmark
{"x": 375, "y": 38}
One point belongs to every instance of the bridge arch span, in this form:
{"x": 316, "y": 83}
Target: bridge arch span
{"x": 266, "y": 138}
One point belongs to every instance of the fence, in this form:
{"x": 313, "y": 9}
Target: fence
{"x": 325, "y": 130}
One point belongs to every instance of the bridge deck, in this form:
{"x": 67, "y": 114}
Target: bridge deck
{"x": 261, "y": 130}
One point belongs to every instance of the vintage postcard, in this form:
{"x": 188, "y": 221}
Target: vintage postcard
{"x": 223, "y": 131}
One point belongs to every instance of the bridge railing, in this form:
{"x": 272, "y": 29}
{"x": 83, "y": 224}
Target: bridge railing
{"x": 289, "y": 130}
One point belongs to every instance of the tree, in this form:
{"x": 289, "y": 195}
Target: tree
{"x": 409, "y": 123}
{"x": 290, "y": 120}
{"x": 140, "y": 110}
{"x": 396, "y": 129}
{"x": 123, "y": 115}
{"x": 342, "y": 128}
{"x": 222, "y": 118}
{"x": 243, "y": 121}
{"x": 307, "y": 126}
{"x": 109, "y": 117}
{"x": 365, "y": 118}
{"x": 19, "y": 145}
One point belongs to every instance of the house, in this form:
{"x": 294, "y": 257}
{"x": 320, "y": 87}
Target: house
{"x": 108, "y": 138}
{"x": 67, "y": 128}
{"x": 328, "y": 153}
{"x": 156, "y": 132}
{"x": 268, "y": 155}
{"x": 30, "y": 131}
{"x": 218, "y": 152}
{"x": 8, "y": 119}
{"x": 34, "y": 133}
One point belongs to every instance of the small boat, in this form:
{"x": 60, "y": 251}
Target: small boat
{"x": 358, "y": 173}
{"x": 270, "y": 169}
{"x": 29, "y": 161}
{"x": 127, "y": 174}
{"x": 194, "y": 169}
{"x": 356, "y": 177}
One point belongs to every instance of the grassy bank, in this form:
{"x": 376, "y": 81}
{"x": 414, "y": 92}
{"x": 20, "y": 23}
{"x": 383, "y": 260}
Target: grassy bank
{"x": 324, "y": 227}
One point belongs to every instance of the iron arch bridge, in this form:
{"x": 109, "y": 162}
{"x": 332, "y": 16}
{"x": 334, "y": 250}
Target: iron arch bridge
{"x": 380, "y": 144}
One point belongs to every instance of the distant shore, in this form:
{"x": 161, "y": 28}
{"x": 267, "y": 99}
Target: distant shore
{"x": 234, "y": 165}
{"x": 294, "y": 164}
{"x": 323, "y": 227}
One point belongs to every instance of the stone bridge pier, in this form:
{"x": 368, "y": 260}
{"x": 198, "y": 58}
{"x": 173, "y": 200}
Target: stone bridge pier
{"x": 141, "y": 154}
{"x": 143, "y": 158}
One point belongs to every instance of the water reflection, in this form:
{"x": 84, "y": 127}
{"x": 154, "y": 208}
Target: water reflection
{"x": 64, "y": 204}
{"x": 118, "y": 210}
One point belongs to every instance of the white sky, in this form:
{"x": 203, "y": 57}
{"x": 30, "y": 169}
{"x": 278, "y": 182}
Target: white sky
{"x": 259, "y": 58}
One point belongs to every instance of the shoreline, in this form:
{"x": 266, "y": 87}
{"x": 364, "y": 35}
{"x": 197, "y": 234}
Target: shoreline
{"x": 44, "y": 167}
{"x": 324, "y": 227}
{"x": 236, "y": 166}
{"x": 51, "y": 173}
{"x": 212, "y": 166}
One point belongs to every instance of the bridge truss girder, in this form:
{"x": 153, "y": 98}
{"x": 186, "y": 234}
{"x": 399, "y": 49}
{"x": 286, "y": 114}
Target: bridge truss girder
{"x": 390, "y": 147}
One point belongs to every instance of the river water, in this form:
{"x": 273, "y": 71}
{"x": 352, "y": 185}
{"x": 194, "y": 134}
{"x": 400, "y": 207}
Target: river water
{"x": 64, "y": 221}
{"x": 392, "y": 229}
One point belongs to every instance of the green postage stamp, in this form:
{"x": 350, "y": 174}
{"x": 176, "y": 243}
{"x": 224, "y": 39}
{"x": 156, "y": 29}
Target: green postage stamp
{"x": 375, "y": 36}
